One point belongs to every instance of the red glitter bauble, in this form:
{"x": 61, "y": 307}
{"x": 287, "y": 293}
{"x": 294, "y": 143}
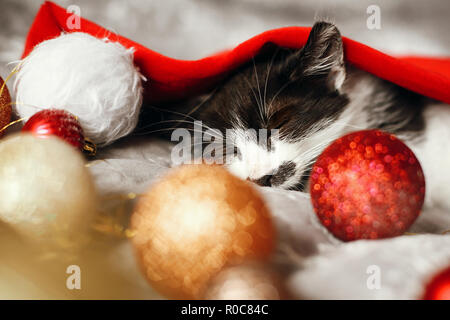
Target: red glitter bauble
{"x": 367, "y": 185}
{"x": 439, "y": 287}
{"x": 53, "y": 122}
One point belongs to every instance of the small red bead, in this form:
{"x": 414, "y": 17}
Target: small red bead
{"x": 367, "y": 185}
{"x": 439, "y": 287}
{"x": 53, "y": 122}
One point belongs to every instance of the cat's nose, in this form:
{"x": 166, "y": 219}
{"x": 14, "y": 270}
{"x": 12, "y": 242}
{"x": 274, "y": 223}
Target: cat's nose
{"x": 265, "y": 181}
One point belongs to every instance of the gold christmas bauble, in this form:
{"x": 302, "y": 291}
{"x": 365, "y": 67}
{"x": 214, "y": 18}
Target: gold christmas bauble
{"x": 195, "y": 221}
{"x": 5, "y": 106}
{"x": 46, "y": 192}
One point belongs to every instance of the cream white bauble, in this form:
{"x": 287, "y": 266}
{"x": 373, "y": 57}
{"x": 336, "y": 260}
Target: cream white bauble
{"x": 46, "y": 191}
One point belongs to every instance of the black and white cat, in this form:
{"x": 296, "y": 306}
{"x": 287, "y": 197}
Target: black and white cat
{"x": 313, "y": 97}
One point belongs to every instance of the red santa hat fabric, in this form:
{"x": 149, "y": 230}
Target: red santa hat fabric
{"x": 171, "y": 79}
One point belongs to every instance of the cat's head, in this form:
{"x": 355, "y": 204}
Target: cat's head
{"x": 294, "y": 95}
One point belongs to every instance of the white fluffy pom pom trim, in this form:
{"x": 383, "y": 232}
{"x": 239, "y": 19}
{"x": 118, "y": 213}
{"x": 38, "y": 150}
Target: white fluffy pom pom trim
{"x": 94, "y": 79}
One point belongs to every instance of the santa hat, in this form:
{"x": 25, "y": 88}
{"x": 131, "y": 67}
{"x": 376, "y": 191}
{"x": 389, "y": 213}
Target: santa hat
{"x": 173, "y": 79}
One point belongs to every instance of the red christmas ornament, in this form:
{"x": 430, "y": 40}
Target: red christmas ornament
{"x": 367, "y": 185}
{"x": 439, "y": 287}
{"x": 53, "y": 122}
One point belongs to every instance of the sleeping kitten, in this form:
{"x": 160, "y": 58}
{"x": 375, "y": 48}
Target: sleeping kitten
{"x": 311, "y": 96}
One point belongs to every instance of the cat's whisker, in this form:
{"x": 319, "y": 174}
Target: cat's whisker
{"x": 180, "y": 121}
{"x": 256, "y": 99}
{"x": 236, "y": 121}
{"x": 166, "y": 129}
{"x": 212, "y": 133}
{"x": 259, "y": 91}
{"x": 195, "y": 108}
{"x": 171, "y": 111}
{"x": 314, "y": 151}
{"x": 181, "y": 114}
{"x": 278, "y": 92}
{"x": 269, "y": 69}
{"x": 349, "y": 125}
{"x": 144, "y": 133}
{"x": 162, "y": 122}
{"x": 318, "y": 148}
{"x": 186, "y": 115}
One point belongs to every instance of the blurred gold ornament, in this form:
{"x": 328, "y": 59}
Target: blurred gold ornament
{"x": 195, "y": 221}
{"x": 250, "y": 281}
{"x": 46, "y": 192}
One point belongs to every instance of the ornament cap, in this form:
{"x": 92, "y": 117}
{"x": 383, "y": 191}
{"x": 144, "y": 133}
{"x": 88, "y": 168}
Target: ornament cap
{"x": 89, "y": 147}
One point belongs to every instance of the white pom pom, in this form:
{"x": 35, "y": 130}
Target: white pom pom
{"x": 93, "y": 79}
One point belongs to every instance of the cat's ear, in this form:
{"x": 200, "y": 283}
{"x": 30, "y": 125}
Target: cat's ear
{"x": 322, "y": 56}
